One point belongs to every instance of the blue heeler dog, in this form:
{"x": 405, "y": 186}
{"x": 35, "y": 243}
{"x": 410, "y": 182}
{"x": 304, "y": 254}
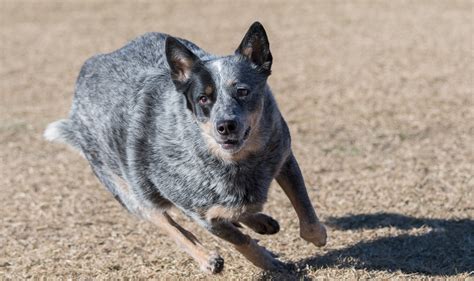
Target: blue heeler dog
{"x": 164, "y": 123}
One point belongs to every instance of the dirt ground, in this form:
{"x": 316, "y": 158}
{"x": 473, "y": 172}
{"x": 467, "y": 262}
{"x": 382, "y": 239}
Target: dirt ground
{"x": 378, "y": 96}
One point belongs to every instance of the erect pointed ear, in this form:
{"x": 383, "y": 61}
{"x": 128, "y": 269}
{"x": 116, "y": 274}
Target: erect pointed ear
{"x": 180, "y": 59}
{"x": 256, "y": 48}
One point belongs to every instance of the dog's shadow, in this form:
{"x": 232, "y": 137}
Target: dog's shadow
{"x": 446, "y": 249}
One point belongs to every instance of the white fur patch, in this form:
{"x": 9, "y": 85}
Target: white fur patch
{"x": 53, "y": 132}
{"x": 218, "y": 65}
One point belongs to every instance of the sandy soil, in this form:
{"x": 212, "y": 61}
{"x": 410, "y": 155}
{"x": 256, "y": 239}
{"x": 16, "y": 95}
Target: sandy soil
{"x": 378, "y": 96}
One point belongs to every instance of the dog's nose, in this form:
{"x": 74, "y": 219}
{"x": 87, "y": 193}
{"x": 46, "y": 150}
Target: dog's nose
{"x": 226, "y": 127}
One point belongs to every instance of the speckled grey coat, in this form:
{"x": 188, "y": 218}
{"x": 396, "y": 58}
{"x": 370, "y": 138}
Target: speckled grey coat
{"x": 164, "y": 123}
{"x": 128, "y": 119}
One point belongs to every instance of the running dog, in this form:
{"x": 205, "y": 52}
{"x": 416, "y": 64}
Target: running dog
{"x": 163, "y": 123}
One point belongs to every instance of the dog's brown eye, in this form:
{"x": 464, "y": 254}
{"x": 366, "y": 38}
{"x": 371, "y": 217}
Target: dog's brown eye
{"x": 242, "y": 92}
{"x": 203, "y": 99}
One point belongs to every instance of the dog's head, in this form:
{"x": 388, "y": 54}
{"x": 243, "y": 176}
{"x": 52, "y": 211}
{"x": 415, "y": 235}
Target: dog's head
{"x": 226, "y": 94}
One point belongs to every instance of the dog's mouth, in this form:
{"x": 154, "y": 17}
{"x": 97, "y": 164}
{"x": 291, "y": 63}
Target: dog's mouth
{"x": 234, "y": 145}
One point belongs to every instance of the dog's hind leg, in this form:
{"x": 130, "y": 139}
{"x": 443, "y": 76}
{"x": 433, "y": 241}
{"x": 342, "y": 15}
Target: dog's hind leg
{"x": 209, "y": 261}
{"x": 260, "y": 223}
{"x": 292, "y": 182}
{"x": 248, "y": 247}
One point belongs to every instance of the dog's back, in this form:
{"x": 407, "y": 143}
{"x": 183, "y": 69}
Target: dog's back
{"x": 109, "y": 90}
{"x": 106, "y": 92}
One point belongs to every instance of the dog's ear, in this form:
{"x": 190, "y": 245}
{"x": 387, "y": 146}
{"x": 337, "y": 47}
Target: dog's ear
{"x": 180, "y": 59}
{"x": 256, "y": 48}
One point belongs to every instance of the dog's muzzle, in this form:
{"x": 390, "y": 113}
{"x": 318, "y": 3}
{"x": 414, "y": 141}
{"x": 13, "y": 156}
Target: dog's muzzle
{"x": 233, "y": 145}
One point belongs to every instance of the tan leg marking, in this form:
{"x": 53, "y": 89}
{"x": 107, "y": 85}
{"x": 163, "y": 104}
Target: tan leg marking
{"x": 222, "y": 219}
{"x": 209, "y": 261}
{"x": 230, "y": 214}
{"x": 256, "y": 254}
{"x": 259, "y": 256}
{"x": 222, "y": 213}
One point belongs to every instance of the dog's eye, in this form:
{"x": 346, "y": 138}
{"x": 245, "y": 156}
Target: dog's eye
{"x": 203, "y": 99}
{"x": 242, "y": 92}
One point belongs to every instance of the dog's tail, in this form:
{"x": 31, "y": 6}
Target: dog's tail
{"x": 62, "y": 131}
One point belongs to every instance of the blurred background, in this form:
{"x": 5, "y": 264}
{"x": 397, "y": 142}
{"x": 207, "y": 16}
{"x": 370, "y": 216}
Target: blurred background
{"x": 378, "y": 96}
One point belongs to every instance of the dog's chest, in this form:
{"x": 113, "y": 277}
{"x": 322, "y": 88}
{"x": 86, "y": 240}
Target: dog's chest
{"x": 235, "y": 185}
{"x": 201, "y": 187}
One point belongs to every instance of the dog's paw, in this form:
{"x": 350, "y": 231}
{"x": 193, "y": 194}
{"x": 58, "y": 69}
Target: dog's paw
{"x": 214, "y": 264}
{"x": 314, "y": 233}
{"x": 262, "y": 224}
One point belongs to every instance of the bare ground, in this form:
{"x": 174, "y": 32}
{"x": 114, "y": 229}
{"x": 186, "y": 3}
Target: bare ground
{"x": 378, "y": 96}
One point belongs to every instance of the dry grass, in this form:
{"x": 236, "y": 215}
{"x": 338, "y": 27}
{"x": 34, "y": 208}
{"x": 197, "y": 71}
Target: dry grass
{"x": 378, "y": 95}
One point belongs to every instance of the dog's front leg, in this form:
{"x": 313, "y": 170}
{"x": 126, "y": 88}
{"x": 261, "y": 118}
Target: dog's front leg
{"x": 248, "y": 247}
{"x": 292, "y": 182}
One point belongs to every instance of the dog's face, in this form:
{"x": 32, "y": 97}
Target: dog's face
{"x": 226, "y": 94}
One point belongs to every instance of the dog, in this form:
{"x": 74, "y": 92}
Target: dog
{"x": 164, "y": 124}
